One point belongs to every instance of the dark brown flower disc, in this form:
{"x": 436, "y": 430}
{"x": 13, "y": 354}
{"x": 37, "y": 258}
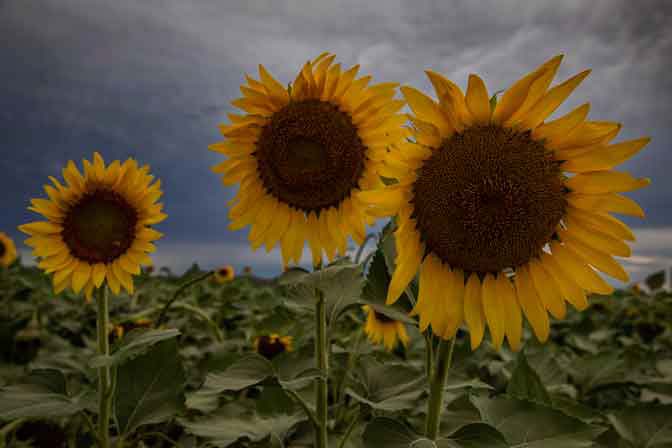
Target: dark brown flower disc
{"x": 3, "y": 249}
{"x": 269, "y": 347}
{"x": 99, "y": 227}
{"x": 310, "y": 155}
{"x": 488, "y": 199}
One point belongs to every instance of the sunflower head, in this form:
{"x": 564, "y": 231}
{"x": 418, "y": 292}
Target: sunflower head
{"x": 247, "y": 270}
{"x": 502, "y": 210}
{"x": 301, "y": 154}
{"x": 98, "y": 225}
{"x": 272, "y": 345}
{"x": 7, "y": 250}
{"x": 224, "y": 274}
{"x": 381, "y": 329}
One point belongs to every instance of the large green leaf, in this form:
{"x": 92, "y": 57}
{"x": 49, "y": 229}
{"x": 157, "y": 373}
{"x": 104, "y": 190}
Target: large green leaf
{"x": 474, "y": 435}
{"x": 593, "y": 371}
{"x": 41, "y": 394}
{"x": 389, "y": 433}
{"x": 388, "y": 387}
{"x": 533, "y": 425}
{"x": 149, "y": 388}
{"x": 234, "y": 422}
{"x": 645, "y": 426}
{"x": 134, "y": 344}
{"x": 525, "y": 383}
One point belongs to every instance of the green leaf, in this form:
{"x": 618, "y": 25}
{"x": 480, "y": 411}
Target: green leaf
{"x": 593, "y": 371}
{"x": 645, "y": 426}
{"x": 374, "y": 293}
{"x": 246, "y": 372}
{"x": 525, "y": 383}
{"x": 234, "y": 422}
{"x": 149, "y": 387}
{"x": 388, "y": 433}
{"x": 388, "y": 387}
{"x": 134, "y": 344}
{"x": 533, "y": 425}
{"x": 274, "y": 400}
{"x": 41, "y": 394}
{"x": 476, "y": 435}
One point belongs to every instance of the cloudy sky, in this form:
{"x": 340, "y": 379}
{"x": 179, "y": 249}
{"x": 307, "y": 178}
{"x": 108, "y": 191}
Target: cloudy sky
{"x": 153, "y": 78}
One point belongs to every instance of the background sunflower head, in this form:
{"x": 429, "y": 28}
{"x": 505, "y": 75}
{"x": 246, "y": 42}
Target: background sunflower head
{"x": 224, "y": 274}
{"x": 98, "y": 225}
{"x": 502, "y": 211}
{"x": 301, "y": 153}
{"x": 270, "y": 346}
{"x": 7, "y": 250}
{"x": 381, "y": 329}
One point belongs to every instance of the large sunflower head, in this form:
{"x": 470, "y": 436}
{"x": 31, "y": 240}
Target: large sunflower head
{"x": 299, "y": 154}
{"x": 270, "y": 346}
{"x": 7, "y": 250}
{"x": 381, "y": 329}
{"x": 224, "y": 274}
{"x": 98, "y": 225}
{"x": 503, "y": 211}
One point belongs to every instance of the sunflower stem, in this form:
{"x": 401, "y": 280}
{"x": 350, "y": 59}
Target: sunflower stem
{"x": 322, "y": 362}
{"x": 437, "y": 384}
{"x": 104, "y": 395}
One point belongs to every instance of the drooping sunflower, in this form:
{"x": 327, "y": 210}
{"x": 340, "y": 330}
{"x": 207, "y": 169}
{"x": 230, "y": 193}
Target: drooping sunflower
{"x": 224, "y": 274}
{"x": 7, "y": 250}
{"x": 272, "y": 345}
{"x": 300, "y": 154}
{"x": 381, "y": 329}
{"x": 501, "y": 211}
{"x": 98, "y": 228}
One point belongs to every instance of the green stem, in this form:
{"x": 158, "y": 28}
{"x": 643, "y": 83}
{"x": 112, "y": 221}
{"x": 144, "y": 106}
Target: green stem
{"x": 216, "y": 331}
{"x": 437, "y": 385}
{"x": 104, "y": 395}
{"x": 348, "y": 431}
{"x": 177, "y": 293}
{"x": 321, "y": 391}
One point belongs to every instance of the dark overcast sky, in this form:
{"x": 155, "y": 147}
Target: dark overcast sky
{"x": 152, "y": 79}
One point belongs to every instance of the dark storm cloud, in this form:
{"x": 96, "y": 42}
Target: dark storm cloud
{"x": 152, "y": 79}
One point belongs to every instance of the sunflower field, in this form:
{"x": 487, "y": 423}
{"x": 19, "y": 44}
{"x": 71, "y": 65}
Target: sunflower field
{"x": 477, "y": 317}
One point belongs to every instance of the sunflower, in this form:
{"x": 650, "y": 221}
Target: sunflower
{"x": 117, "y": 331}
{"x": 501, "y": 211}
{"x": 224, "y": 274}
{"x": 7, "y": 250}
{"x": 301, "y": 153}
{"x": 271, "y": 346}
{"x": 380, "y": 328}
{"x": 98, "y": 228}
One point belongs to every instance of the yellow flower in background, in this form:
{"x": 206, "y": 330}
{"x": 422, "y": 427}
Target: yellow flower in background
{"x": 501, "y": 211}
{"x": 224, "y": 274}
{"x": 98, "y": 228}
{"x": 7, "y": 250}
{"x": 272, "y": 345}
{"x": 381, "y": 329}
{"x": 300, "y": 154}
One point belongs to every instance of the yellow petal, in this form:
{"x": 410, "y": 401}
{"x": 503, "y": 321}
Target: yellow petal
{"x": 531, "y": 304}
{"x": 602, "y": 222}
{"x": 425, "y": 108}
{"x": 597, "y": 182}
{"x": 569, "y": 289}
{"x": 325, "y": 236}
{"x": 584, "y": 275}
{"x": 477, "y": 100}
{"x": 605, "y": 203}
{"x": 600, "y": 260}
{"x": 40, "y": 228}
{"x": 313, "y": 230}
{"x": 112, "y": 280}
{"x": 80, "y": 276}
{"x": 557, "y": 129}
{"x": 408, "y": 262}
{"x": 452, "y": 103}
{"x": 605, "y": 158}
{"x": 537, "y": 89}
{"x": 547, "y": 290}
{"x": 595, "y": 238}
{"x": 276, "y": 90}
{"x": 515, "y": 96}
{"x": 588, "y": 133}
{"x": 473, "y": 310}
{"x": 98, "y": 274}
{"x": 551, "y": 101}
{"x": 513, "y": 321}
{"x": 454, "y": 304}
{"x": 494, "y": 310}
{"x": 128, "y": 265}
{"x": 427, "y": 291}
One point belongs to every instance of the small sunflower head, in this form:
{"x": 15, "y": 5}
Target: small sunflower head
{"x": 247, "y": 270}
{"x": 503, "y": 212}
{"x": 98, "y": 229}
{"x": 7, "y": 250}
{"x": 301, "y": 154}
{"x": 381, "y": 329}
{"x": 224, "y": 274}
{"x": 272, "y": 345}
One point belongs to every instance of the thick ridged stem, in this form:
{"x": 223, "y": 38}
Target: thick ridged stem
{"x": 322, "y": 363}
{"x": 104, "y": 393}
{"x": 437, "y": 385}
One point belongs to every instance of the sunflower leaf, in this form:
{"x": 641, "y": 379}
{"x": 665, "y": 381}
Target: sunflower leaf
{"x": 382, "y": 431}
{"x": 374, "y": 293}
{"x": 645, "y": 425}
{"x": 525, "y": 383}
{"x": 134, "y": 344}
{"x": 474, "y": 435}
